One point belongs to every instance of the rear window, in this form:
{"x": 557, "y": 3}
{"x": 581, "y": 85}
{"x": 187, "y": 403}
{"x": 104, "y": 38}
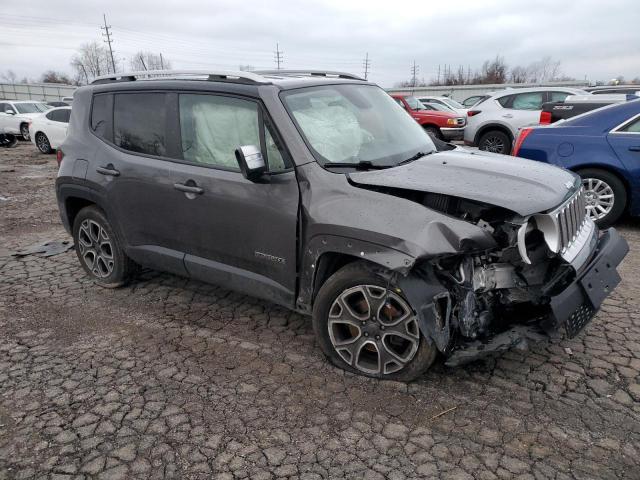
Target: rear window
{"x": 139, "y": 122}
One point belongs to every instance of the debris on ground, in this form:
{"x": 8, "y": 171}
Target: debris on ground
{"x": 47, "y": 249}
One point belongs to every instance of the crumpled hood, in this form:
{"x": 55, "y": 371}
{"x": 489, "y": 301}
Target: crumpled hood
{"x": 522, "y": 186}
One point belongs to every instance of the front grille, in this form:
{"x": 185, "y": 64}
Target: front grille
{"x": 570, "y": 219}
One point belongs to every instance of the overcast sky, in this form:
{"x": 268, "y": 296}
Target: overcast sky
{"x": 596, "y": 39}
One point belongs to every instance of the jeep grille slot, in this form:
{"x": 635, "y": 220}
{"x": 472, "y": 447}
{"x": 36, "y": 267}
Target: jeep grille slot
{"x": 570, "y": 218}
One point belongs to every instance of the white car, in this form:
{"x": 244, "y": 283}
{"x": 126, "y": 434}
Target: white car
{"x": 493, "y": 123}
{"x": 16, "y": 115}
{"x": 447, "y": 102}
{"x": 48, "y": 131}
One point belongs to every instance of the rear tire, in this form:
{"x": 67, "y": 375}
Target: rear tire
{"x": 434, "y": 132}
{"x": 602, "y": 188}
{"x": 495, "y": 141}
{"x": 24, "y": 131}
{"x": 366, "y": 329}
{"x": 42, "y": 142}
{"x": 99, "y": 250}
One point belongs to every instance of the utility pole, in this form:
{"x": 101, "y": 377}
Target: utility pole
{"x": 366, "y": 65}
{"x": 144, "y": 65}
{"x": 414, "y": 74}
{"x": 108, "y": 41}
{"x": 278, "y": 56}
{"x": 438, "y": 74}
{"x": 161, "y": 62}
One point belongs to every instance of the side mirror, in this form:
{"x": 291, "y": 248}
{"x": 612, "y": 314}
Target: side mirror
{"x": 251, "y": 162}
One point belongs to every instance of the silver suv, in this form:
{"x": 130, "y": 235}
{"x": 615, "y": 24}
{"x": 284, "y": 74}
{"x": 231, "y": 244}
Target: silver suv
{"x": 493, "y": 123}
{"x": 318, "y": 192}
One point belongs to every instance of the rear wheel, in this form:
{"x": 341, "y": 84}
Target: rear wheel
{"x": 365, "y": 328}
{"x": 605, "y": 196}
{"x": 24, "y": 131}
{"x": 98, "y": 249}
{"x": 495, "y": 141}
{"x": 42, "y": 142}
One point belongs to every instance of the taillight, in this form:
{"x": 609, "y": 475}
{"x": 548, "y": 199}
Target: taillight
{"x": 545, "y": 118}
{"x": 59, "y": 156}
{"x": 471, "y": 113}
{"x": 524, "y": 133}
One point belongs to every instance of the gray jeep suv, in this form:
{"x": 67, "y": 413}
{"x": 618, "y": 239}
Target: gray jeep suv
{"x": 316, "y": 191}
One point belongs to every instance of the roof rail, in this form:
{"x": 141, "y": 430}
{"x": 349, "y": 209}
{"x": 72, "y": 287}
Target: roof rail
{"x": 210, "y": 75}
{"x": 310, "y": 73}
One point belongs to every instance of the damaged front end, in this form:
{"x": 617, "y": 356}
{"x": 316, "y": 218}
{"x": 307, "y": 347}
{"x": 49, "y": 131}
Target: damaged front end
{"x": 549, "y": 270}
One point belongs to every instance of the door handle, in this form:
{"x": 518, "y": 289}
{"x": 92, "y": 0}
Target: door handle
{"x": 108, "y": 170}
{"x": 507, "y": 115}
{"x": 634, "y": 148}
{"x": 188, "y": 188}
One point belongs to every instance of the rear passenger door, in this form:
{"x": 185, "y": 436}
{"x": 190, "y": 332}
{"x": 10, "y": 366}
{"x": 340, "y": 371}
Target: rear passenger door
{"x": 57, "y": 122}
{"x": 235, "y": 232}
{"x": 522, "y": 109}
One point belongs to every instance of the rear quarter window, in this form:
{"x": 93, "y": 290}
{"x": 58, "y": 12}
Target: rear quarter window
{"x": 101, "y": 116}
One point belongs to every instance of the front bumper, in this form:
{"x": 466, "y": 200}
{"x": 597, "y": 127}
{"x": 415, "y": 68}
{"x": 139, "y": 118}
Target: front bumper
{"x": 577, "y": 304}
{"x": 452, "y": 133}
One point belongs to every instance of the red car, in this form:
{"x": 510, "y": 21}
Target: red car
{"x": 438, "y": 124}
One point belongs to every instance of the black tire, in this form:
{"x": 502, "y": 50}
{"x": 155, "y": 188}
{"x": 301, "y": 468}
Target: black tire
{"x": 420, "y": 353}
{"x": 434, "y": 132}
{"x": 110, "y": 267}
{"x": 42, "y": 142}
{"x": 619, "y": 194}
{"x": 495, "y": 141}
{"x": 24, "y": 131}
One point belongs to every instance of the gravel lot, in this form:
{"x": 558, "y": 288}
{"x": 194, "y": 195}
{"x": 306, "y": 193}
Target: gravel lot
{"x": 171, "y": 378}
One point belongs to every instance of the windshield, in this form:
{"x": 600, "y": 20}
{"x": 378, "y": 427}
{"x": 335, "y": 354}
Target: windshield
{"x": 29, "y": 108}
{"x": 438, "y": 106}
{"x": 355, "y": 123}
{"x": 452, "y": 103}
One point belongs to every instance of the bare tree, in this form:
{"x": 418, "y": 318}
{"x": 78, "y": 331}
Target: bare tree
{"x": 9, "y": 76}
{"x": 51, "y": 76}
{"x": 92, "y": 60}
{"x": 149, "y": 61}
{"x": 492, "y": 71}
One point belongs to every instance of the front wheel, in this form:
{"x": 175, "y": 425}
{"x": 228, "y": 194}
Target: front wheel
{"x": 42, "y": 142}
{"x": 495, "y": 141}
{"x": 98, "y": 249}
{"x": 364, "y": 325}
{"x": 605, "y": 196}
{"x": 24, "y": 131}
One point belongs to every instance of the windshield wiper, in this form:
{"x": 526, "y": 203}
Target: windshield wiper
{"x": 361, "y": 165}
{"x": 415, "y": 157}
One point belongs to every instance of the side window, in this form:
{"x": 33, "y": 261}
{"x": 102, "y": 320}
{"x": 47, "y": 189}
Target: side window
{"x": 528, "y": 101}
{"x": 51, "y": 116}
{"x": 59, "y": 116}
{"x": 101, "y": 117}
{"x": 65, "y": 115}
{"x": 558, "y": 96}
{"x": 212, "y": 127}
{"x": 3, "y": 107}
{"x": 139, "y": 122}
{"x": 506, "y": 101}
{"x": 633, "y": 127}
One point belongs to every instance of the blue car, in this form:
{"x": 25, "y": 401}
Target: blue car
{"x": 603, "y": 147}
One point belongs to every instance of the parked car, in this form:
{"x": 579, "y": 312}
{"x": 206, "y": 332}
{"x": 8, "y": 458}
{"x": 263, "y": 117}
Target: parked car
{"x": 58, "y": 104}
{"x": 439, "y": 124}
{"x": 447, "y": 102}
{"x": 575, "y": 105}
{"x": 619, "y": 89}
{"x": 16, "y": 115}
{"x": 603, "y": 147}
{"x": 49, "y": 130}
{"x": 493, "y": 123}
{"x": 472, "y": 100}
{"x": 315, "y": 191}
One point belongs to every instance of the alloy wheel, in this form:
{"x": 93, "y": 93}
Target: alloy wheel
{"x": 493, "y": 144}
{"x": 373, "y": 329}
{"x": 24, "y": 131}
{"x": 43, "y": 143}
{"x": 599, "y": 198}
{"x": 95, "y": 248}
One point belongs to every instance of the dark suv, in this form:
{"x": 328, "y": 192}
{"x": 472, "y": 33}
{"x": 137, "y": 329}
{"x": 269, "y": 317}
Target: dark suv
{"x": 316, "y": 191}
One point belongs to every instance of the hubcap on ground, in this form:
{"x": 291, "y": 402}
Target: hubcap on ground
{"x": 599, "y": 198}
{"x": 373, "y": 329}
{"x": 493, "y": 144}
{"x": 95, "y": 248}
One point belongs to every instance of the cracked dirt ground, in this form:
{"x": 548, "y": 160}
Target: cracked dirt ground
{"x": 170, "y": 378}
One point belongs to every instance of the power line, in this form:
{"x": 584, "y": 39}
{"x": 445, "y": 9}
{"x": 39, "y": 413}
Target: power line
{"x": 108, "y": 41}
{"x": 367, "y": 65}
{"x": 278, "y": 56}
